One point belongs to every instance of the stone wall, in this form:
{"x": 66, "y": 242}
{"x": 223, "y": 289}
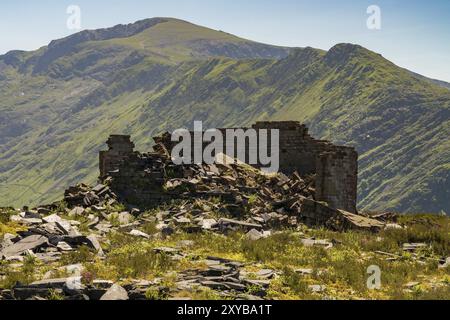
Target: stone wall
{"x": 337, "y": 179}
{"x": 120, "y": 148}
{"x": 335, "y": 167}
{"x": 136, "y": 177}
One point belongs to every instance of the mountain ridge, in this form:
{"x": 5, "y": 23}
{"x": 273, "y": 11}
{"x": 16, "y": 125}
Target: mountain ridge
{"x": 41, "y": 59}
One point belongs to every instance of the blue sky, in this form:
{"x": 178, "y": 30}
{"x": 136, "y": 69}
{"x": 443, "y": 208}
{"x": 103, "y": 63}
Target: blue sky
{"x": 414, "y": 34}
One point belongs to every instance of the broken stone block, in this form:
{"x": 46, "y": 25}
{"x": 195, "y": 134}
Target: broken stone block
{"x": 138, "y": 233}
{"x": 115, "y": 292}
{"x": 315, "y": 213}
{"x": 73, "y": 286}
{"x": 63, "y": 246}
{"x": 254, "y": 235}
{"x": 49, "y": 283}
{"x": 304, "y": 271}
{"x": 135, "y": 212}
{"x": 30, "y": 221}
{"x": 214, "y": 285}
{"x": 74, "y": 270}
{"x": 182, "y": 220}
{"x": 187, "y": 284}
{"x": 94, "y": 220}
{"x": 32, "y": 243}
{"x": 393, "y": 226}
{"x": 65, "y": 227}
{"x": 77, "y": 211}
{"x": 235, "y": 286}
{"x": 51, "y": 228}
{"x": 207, "y": 224}
{"x": 446, "y": 264}
{"x": 265, "y": 273}
{"x": 30, "y": 214}
{"x": 15, "y": 218}
{"x": 99, "y": 188}
{"x": 248, "y": 297}
{"x": 414, "y": 246}
{"x": 52, "y": 218}
{"x": 360, "y": 222}
{"x": 104, "y": 227}
{"x": 43, "y": 211}
{"x": 97, "y": 208}
{"x": 161, "y": 226}
{"x": 224, "y": 223}
{"x": 7, "y": 240}
{"x": 317, "y": 288}
{"x": 217, "y": 271}
{"x": 94, "y": 243}
{"x": 24, "y": 293}
{"x": 317, "y": 243}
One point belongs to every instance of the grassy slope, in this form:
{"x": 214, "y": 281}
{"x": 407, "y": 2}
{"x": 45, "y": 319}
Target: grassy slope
{"x": 145, "y": 84}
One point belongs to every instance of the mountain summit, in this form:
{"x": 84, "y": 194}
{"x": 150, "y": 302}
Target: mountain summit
{"x": 164, "y": 40}
{"x": 59, "y": 104}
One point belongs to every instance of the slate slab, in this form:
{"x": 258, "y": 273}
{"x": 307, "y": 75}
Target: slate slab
{"x": 32, "y": 242}
{"x": 116, "y": 292}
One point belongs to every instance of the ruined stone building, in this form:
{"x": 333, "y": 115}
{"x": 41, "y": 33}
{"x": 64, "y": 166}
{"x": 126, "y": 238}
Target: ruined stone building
{"x": 335, "y": 167}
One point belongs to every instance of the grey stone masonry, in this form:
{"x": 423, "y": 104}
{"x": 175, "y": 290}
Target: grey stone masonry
{"x": 335, "y": 167}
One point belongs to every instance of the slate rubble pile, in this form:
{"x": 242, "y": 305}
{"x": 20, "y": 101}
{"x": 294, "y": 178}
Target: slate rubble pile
{"x": 221, "y": 275}
{"x": 47, "y": 237}
{"x": 209, "y": 198}
{"x": 246, "y": 194}
{"x": 85, "y": 196}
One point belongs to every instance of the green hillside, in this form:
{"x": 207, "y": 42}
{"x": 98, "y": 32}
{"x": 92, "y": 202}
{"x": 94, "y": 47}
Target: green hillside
{"x": 59, "y": 104}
